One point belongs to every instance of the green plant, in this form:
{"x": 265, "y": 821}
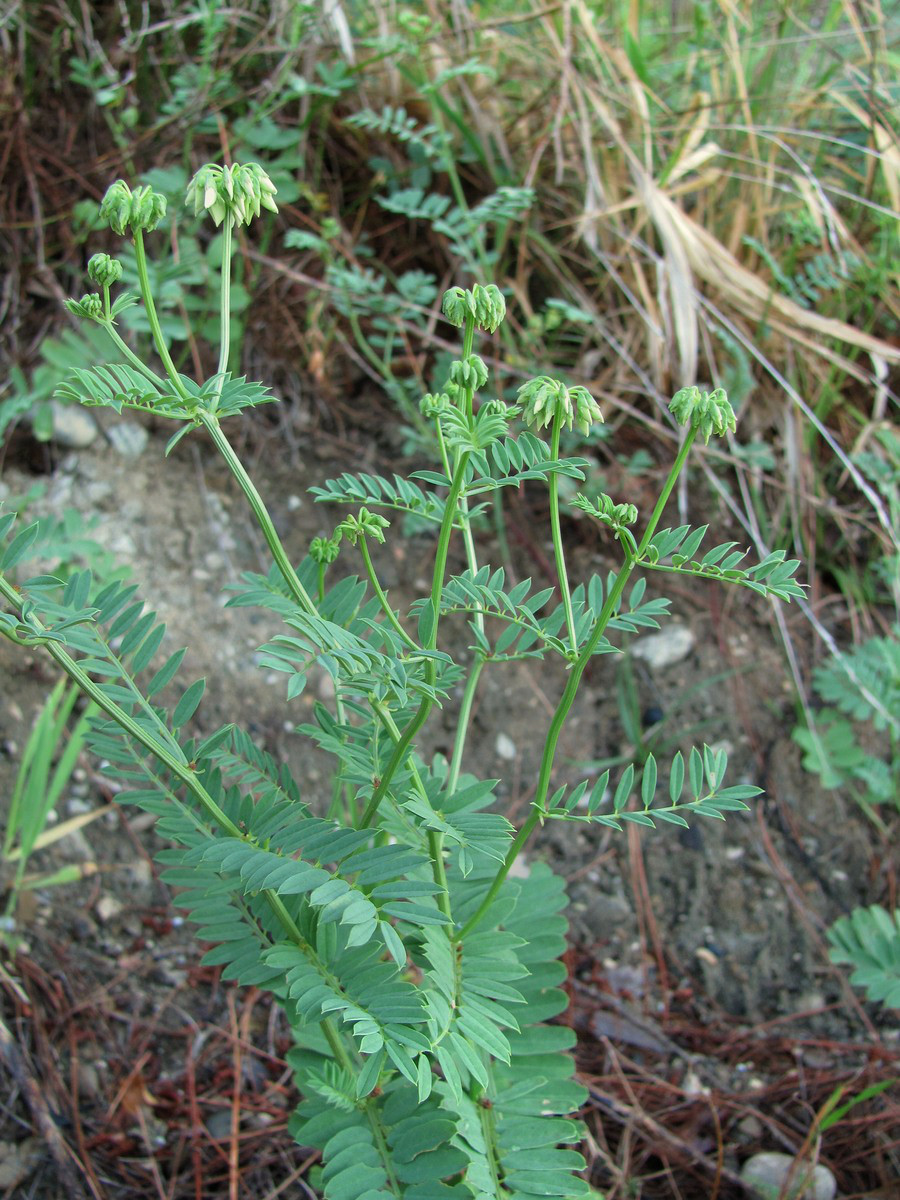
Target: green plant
{"x": 49, "y": 757}
{"x": 417, "y": 974}
{"x": 859, "y": 688}
{"x": 869, "y": 941}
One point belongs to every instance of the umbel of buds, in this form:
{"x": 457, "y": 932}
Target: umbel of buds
{"x": 324, "y": 550}
{"x": 103, "y": 270}
{"x": 141, "y": 209}
{"x": 89, "y": 306}
{"x": 364, "y": 524}
{"x": 241, "y": 189}
{"x": 544, "y": 399}
{"x": 485, "y": 304}
{"x": 708, "y": 412}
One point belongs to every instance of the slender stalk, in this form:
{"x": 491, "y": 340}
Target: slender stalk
{"x": 298, "y": 591}
{"x": 225, "y": 297}
{"x": 382, "y": 598}
{"x": 465, "y": 716}
{"x": 561, "y": 572}
{"x": 539, "y": 805}
{"x": 421, "y": 715}
{"x": 137, "y": 363}
{"x": 155, "y": 328}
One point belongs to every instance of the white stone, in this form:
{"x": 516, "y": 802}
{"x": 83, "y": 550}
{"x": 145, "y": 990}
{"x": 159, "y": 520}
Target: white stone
{"x": 107, "y": 907}
{"x": 73, "y": 427}
{"x": 664, "y": 649}
{"x": 505, "y": 747}
{"x": 128, "y": 438}
{"x": 766, "y": 1174}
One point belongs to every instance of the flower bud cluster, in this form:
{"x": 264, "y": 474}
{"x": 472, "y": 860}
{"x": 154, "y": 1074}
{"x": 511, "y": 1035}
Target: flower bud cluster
{"x": 241, "y": 189}
{"x": 104, "y": 270}
{"x": 470, "y": 373}
{"x": 324, "y": 550}
{"x": 140, "y": 209}
{"x": 90, "y": 306}
{"x": 485, "y": 304}
{"x": 708, "y": 412}
{"x": 616, "y": 516}
{"x": 434, "y": 405}
{"x": 544, "y": 400}
{"x": 364, "y": 524}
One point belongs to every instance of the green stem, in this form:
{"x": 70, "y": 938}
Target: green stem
{"x": 568, "y": 697}
{"x": 462, "y": 724}
{"x": 122, "y": 345}
{"x": 435, "y": 837}
{"x": 561, "y": 573}
{"x": 298, "y": 591}
{"x": 382, "y": 598}
{"x": 421, "y": 715}
{"x": 155, "y": 328}
{"x": 225, "y": 296}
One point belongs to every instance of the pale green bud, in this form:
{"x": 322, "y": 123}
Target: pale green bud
{"x": 485, "y": 304}
{"x": 364, "y": 524}
{"x": 324, "y": 550}
{"x": 544, "y": 400}
{"x": 241, "y": 189}
{"x": 104, "y": 270}
{"x": 490, "y": 306}
{"x": 458, "y": 304}
{"x": 89, "y": 306}
{"x": 469, "y": 373}
{"x": 141, "y": 209}
{"x": 434, "y": 405}
{"x": 709, "y": 412}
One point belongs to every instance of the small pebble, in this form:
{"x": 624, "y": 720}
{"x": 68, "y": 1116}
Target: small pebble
{"x": 129, "y": 439}
{"x": 73, "y": 427}
{"x": 505, "y": 747}
{"x": 766, "y": 1174}
{"x": 664, "y": 649}
{"x": 107, "y": 907}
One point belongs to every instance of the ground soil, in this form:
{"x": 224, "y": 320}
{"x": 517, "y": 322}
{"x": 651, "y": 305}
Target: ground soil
{"x": 711, "y": 1023}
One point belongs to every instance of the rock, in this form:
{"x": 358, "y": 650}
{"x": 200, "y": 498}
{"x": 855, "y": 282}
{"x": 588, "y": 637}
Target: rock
{"x": 765, "y": 1174}
{"x": 664, "y": 649}
{"x": 505, "y": 747}
{"x": 128, "y": 438}
{"x": 107, "y": 907}
{"x": 17, "y": 1161}
{"x": 73, "y": 427}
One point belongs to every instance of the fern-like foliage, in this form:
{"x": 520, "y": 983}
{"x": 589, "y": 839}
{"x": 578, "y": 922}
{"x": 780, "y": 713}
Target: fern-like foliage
{"x": 706, "y": 796}
{"x": 121, "y": 386}
{"x": 869, "y": 941}
{"x": 529, "y": 635}
{"x": 773, "y": 576}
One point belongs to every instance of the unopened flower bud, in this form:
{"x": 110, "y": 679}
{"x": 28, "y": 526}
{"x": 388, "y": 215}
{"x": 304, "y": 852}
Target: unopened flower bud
{"x": 485, "y": 304}
{"x": 241, "y": 190}
{"x": 139, "y": 209}
{"x": 364, "y": 524}
{"x": 324, "y": 550}
{"x": 90, "y": 306}
{"x": 469, "y": 372}
{"x": 458, "y": 304}
{"x": 434, "y": 405}
{"x": 709, "y": 412}
{"x": 544, "y": 399}
{"x": 104, "y": 270}
{"x": 490, "y": 306}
